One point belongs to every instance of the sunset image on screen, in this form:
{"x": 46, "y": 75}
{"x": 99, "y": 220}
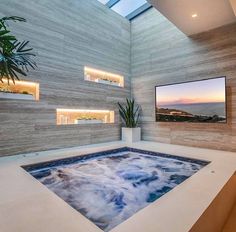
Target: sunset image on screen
{"x": 199, "y": 101}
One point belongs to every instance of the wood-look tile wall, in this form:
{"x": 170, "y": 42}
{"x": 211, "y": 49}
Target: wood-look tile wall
{"x": 66, "y": 36}
{"x": 161, "y": 54}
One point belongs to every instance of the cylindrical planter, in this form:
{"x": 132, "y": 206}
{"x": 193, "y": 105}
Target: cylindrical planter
{"x": 131, "y": 135}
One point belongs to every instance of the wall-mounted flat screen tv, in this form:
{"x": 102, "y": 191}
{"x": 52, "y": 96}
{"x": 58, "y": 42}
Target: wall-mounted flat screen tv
{"x": 201, "y": 101}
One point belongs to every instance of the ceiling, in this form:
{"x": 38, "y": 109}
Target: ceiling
{"x": 210, "y": 13}
{"x": 233, "y": 4}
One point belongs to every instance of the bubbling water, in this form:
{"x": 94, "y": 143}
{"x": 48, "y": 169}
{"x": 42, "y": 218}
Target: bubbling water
{"x": 110, "y": 189}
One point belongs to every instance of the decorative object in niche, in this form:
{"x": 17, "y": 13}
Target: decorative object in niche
{"x": 84, "y": 116}
{"x": 99, "y": 76}
{"x": 21, "y": 90}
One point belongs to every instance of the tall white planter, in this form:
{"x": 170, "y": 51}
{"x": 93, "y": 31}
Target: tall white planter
{"x": 131, "y": 135}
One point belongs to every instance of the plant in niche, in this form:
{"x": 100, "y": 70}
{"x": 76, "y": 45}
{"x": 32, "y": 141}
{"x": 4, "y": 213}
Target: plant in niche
{"x": 129, "y": 113}
{"x": 15, "y": 56}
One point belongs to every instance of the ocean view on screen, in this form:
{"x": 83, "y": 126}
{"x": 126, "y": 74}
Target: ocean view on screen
{"x": 199, "y": 101}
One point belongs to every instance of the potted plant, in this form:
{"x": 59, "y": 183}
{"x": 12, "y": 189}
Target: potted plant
{"x": 130, "y": 117}
{"x": 15, "y": 56}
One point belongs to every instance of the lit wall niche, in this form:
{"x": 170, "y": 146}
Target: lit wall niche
{"x": 81, "y": 116}
{"x": 103, "y": 77}
{"x": 21, "y": 90}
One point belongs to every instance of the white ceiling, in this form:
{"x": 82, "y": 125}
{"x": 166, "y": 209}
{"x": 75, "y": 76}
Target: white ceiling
{"x": 211, "y": 13}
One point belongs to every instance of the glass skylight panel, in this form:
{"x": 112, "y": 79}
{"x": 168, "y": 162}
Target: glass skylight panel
{"x": 125, "y": 7}
{"x": 104, "y": 1}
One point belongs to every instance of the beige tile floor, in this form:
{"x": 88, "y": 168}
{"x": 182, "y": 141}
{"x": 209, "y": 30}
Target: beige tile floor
{"x": 28, "y": 206}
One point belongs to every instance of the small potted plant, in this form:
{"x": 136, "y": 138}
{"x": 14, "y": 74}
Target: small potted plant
{"x": 130, "y": 117}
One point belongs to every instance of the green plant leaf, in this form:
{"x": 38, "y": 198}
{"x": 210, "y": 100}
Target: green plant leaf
{"x": 15, "y": 56}
{"x": 129, "y": 113}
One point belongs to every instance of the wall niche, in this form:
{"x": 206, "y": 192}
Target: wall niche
{"x": 102, "y": 77}
{"x": 83, "y": 116}
{"x": 20, "y": 90}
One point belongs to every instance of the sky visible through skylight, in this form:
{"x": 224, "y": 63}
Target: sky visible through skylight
{"x": 125, "y": 7}
{"x": 104, "y": 1}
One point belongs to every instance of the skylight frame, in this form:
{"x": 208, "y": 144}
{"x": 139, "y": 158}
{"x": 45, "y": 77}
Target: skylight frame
{"x": 139, "y": 11}
{"x": 112, "y": 3}
{"x": 146, "y": 6}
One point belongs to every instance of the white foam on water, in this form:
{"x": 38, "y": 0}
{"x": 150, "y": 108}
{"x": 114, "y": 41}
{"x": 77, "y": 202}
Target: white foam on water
{"x": 110, "y": 189}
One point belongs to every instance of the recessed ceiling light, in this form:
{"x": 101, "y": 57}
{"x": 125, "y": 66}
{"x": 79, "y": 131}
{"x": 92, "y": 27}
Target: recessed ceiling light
{"x": 194, "y": 15}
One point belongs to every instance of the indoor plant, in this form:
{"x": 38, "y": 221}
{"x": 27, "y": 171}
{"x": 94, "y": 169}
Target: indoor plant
{"x": 130, "y": 117}
{"x": 15, "y": 57}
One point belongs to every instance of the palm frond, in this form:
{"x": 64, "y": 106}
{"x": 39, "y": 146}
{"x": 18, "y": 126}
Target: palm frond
{"x": 15, "y": 56}
{"x": 14, "y": 18}
{"x": 4, "y": 20}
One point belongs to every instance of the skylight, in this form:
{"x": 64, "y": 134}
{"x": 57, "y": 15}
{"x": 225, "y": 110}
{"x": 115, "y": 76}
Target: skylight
{"x": 127, "y": 8}
{"x": 104, "y": 1}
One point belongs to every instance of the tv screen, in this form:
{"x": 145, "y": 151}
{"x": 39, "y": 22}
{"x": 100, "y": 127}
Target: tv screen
{"x": 197, "y": 101}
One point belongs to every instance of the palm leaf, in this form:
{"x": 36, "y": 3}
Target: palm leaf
{"x": 15, "y": 56}
{"x": 11, "y": 18}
